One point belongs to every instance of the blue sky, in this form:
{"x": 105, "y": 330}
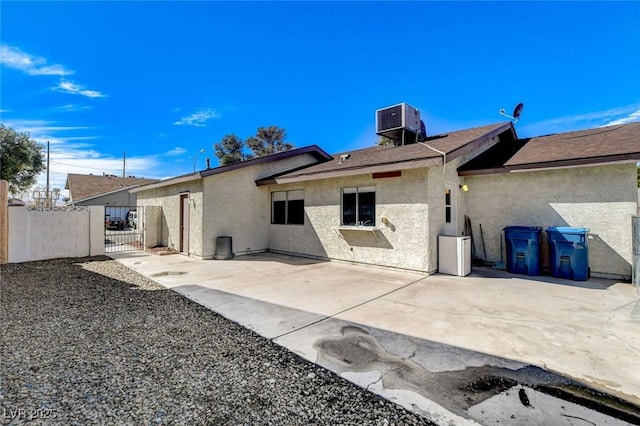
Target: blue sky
{"x": 163, "y": 80}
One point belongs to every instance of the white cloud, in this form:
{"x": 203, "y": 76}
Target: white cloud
{"x": 12, "y": 57}
{"x": 72, "y": 107}
{"x": 66, "y": 86}
{"x": 39, "y": 128}
{"x": 630, "y": 118}
{"x": 72, "y": 151}
{"x": 198, "y": 118}
{"x": 617, "y": 115}
{"x": 175, "y": 151}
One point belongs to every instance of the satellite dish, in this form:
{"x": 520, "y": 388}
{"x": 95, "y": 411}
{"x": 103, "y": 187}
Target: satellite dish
{"x": 516, "y": 112}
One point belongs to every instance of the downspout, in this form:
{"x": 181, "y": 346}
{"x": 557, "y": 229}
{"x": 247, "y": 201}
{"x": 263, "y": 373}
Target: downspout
{"x": 444, "y": 169}
{"x": 444, "y": 156}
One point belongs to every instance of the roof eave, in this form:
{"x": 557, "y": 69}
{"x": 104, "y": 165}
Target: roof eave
{"x": 168, "y": 182}
{"x": 314, "y": 150}
{"x": 102, "y": 194}
{"x": 469, "y": 147}
{"x": 555, "y": 165}
{"x": 384, "y": 167}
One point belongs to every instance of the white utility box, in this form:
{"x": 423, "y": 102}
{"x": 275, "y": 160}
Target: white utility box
{"x": 454, "y": 255}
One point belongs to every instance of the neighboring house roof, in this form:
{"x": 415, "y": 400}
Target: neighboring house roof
{"x": 115, "y": 191}
{"x": 388, "y": 158}
{"x": 611, "y": 144}
{"x": 82, "y": 187}
{"x": 313, "y": 150}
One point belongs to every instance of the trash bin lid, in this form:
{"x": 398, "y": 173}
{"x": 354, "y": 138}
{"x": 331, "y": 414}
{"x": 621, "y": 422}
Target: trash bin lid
{"x": 522, "y": 228}
{"x": 568, "y": 230}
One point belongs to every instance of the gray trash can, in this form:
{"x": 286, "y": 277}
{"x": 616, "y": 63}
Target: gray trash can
{"x": 224, "y": 248}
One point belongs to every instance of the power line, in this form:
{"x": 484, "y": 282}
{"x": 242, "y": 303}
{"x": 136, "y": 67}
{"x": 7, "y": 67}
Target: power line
{"x": 84, "y": 167}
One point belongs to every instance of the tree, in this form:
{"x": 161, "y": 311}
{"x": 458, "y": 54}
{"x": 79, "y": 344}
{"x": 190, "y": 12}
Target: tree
{"x": 385, "y": 141}
{"x": 268, "y": 140}
{"x": 229, "y": 150}
{"x": 20, "y": 159}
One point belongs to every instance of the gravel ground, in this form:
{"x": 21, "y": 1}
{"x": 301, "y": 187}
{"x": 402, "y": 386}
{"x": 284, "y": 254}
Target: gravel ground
{"x": 88, "y": 341}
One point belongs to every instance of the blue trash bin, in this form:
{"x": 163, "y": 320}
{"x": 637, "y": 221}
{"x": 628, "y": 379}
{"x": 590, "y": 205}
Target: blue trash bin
{"x": 568, "y": 252}
{"x": 523, "y": 249}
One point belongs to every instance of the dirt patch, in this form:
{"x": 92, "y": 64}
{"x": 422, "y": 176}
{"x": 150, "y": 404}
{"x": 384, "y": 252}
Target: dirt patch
{"x": 162, "y": 250}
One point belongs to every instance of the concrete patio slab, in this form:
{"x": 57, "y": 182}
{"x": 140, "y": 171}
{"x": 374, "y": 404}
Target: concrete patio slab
{"x": 589, "y": 332}
{"x": 440, "y": 329}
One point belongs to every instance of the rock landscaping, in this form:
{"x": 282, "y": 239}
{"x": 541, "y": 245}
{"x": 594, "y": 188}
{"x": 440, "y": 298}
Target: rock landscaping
{"x": 88, "y": 341}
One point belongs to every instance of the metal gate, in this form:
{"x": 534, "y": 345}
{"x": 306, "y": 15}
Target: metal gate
{"x": 123, "y": 228}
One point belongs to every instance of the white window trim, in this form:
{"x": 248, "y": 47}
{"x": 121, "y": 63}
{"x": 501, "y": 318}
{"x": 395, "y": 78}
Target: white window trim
{"x": 356, "y": 190}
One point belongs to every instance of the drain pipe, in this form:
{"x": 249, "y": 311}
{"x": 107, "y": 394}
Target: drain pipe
{"x": 444, "y": 156}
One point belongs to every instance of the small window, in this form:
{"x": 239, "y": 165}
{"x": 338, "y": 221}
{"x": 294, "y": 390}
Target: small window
{"x": 447, "y": 206}
{"x": 287, "y": 207}
{"x": 359, "y": 206}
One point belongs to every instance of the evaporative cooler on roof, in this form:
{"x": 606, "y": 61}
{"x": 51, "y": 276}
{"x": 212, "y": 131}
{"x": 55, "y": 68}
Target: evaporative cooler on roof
{"x": 400, "y": 123}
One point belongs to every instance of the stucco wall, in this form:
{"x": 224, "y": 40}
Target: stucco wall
{"x": 414, "y": 204}
{"x": 234, "y": 206}
{"x": 602, "y": 198}
{"x": 440, "y": 178}
{"x": 54, "y": 233}
{"x": 168, "y": 198}
{"x": 402, "y": 244}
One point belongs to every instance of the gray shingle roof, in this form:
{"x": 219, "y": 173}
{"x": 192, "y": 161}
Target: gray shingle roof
{"x": 83, "y": 186}
{"x": 404, "y": 156}
{"x": 592, "y": 146}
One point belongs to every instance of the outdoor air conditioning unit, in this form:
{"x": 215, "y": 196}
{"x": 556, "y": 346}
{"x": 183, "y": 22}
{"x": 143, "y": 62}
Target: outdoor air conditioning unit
{"x": 392, "y": 120}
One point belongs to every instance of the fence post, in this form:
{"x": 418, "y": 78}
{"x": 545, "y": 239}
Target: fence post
{"x": 4, "y": 222}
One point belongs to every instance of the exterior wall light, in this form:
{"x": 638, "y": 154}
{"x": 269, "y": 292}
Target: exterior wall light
{"x": 464, "y": 188}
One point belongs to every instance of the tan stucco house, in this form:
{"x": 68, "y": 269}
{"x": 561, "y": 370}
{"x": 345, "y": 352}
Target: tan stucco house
{"x": 387, "y": 205}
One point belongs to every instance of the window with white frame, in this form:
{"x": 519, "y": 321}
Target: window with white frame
{"x": 359, "y": 206}
{"x": 287, "y": 207}
{"x": 448, "y": 206}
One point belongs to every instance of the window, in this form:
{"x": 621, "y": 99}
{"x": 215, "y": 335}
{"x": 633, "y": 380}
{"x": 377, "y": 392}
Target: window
{"x": 287, "y": 207}
{"x": 359, "y": 206}
{"x": 447, "y": 206}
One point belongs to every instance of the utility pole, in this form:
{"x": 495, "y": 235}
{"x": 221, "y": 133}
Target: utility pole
{"x": 124, "y": 163}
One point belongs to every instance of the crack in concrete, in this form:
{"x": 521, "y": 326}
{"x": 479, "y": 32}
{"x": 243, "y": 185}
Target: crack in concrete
{"x": 382, "y": 377}
{"x": 624, "y": 342}
{"x": 579, "y": 418}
